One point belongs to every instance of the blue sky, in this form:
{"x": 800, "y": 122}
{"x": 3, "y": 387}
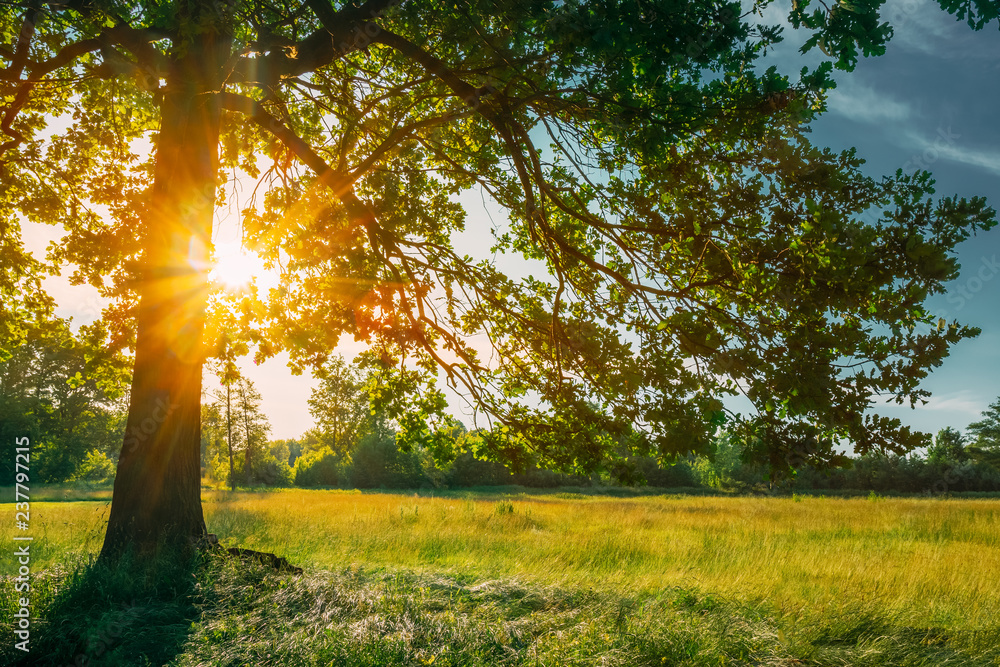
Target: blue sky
{"x": 929, "y": 102}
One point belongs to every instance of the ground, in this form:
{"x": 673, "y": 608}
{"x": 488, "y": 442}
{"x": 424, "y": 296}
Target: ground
{"x": 477, "y": 578}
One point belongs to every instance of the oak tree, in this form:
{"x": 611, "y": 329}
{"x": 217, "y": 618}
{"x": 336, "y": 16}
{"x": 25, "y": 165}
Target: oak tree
{"x": 678, "y": 239}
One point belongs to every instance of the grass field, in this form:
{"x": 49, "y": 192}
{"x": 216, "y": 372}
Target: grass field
{"x": 573, "y": 579}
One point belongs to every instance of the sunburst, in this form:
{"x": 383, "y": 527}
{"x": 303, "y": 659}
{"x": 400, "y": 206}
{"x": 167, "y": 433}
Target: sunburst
{"x": 235, "y": 268}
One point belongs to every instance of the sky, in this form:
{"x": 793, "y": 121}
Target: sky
{"x": 929, "y": 102}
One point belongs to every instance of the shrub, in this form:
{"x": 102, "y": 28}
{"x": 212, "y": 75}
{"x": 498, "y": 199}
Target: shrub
{"x": 666, "y": 476}
{"x": 467, "y": 470}
{"x": 96, "y": 468}
{"x": 273, "y": 472}
{"x": 320, "y": 467}
{"x": 378, "y": 463}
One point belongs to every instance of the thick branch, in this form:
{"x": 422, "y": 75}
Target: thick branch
{"x": 20, "y": 56}
{"x": 343, "y": 32}
{"x": 135, "y": 40}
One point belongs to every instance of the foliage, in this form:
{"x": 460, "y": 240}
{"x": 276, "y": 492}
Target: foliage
{"x": 339, "y": 404}
{"x": 379, "y": 463}
{"x": 62, "y": 392}
{"x": 213, "y": 437}
{"x": 986, "y": 432}
{"x": 233, "y": 424}
{"x": 977, "y": 13}
{"x": 726, "y": 467}
{"x": 218, "y": 469}
{"x": 280, "y": 450}
{"x": 948, "y": 447}
{"x": 320, "y": 467}
{"x": 690, "y": 242}
{"x": 96, "y": 468}
{"x": 267, "y": 470}
{"x": 254, "y": 425}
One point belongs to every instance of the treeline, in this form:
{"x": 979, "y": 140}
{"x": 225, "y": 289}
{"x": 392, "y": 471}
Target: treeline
{"x": 57, "y": 389}
{"x": 953, "y": 463}
{"x": 68, "y": 395}
{"x": 352, "y": 447}
{"x": 378, "y": 463}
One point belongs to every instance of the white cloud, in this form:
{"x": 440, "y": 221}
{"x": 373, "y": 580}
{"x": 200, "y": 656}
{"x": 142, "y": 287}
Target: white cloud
{"x": 964, "y": 402}
{"x": 922, "y": 26}
{"x": 865, "y": 104}
{"x": 935, "y": 148}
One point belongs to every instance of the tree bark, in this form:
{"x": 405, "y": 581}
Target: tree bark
{"x": 244, "y": 406}
{"x": 229, "y": 435}
{"x": 157, "y": 492}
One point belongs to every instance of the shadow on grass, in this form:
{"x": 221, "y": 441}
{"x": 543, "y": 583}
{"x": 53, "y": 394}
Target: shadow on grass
{"x": 213, "y": 609}
{"x": 134, "y": 613}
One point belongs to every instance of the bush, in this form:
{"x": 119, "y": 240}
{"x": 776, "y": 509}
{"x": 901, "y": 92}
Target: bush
{"x": 218, "y": 469}
{"x": 96, "y": 468}
{"x": 666, "y": 476}
{"x": 467, "y": 470}
{"x": 318, "y": 468}
{"x": 378, "y": 463}
{"x": 273, "y": 472}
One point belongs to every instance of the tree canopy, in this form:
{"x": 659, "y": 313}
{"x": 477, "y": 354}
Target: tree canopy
{"x": 986, "y": 431}
{"x": 684, "y": 241}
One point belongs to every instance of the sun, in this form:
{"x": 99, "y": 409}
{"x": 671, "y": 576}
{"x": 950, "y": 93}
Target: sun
{"x": 234, "y": 267}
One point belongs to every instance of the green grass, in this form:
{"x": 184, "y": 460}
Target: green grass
{"x": 551, "y": 579}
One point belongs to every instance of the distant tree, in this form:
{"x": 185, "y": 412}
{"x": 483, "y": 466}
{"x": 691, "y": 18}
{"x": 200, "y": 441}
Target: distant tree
{"x": 214, "y": 443}
{"x": 319, "y": 467}
{"x": 985, "y": 448}
{"x": 294, "y": 451}
{"x": 228, "y": 374}
{"x": 949, "y": 446}
{"x": 340, "y": 405}
{"x": 311, "y": 441}
{"x": 58, "y": 389}
{"x": 96, "y": 468}
{"x": 986, "y": 431}
{"x": 253, "y": 424}
{"x": 281, "y": 451}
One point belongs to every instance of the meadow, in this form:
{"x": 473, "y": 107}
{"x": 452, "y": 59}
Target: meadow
{"x": 476, "y": 578}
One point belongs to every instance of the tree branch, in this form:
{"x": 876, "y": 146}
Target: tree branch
{"x": 343, "y": 32}
{"x": 338, "y": 181}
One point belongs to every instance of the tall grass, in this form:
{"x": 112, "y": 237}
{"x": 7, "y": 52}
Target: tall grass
{"x": 901, "y": 581}
{"x": 941, "y": 557}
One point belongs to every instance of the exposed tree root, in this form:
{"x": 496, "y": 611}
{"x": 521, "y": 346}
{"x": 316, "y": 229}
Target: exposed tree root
{"x": 211, "y": 541}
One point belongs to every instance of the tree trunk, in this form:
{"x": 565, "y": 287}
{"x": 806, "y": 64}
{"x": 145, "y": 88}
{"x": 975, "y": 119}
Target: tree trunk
{"x": 157, "y": 492}
{"x": 229, "y": 436}
{"x": 248, "y": 461}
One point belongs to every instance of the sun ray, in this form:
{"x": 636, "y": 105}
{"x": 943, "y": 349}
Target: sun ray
{"x": 235, "y": 268}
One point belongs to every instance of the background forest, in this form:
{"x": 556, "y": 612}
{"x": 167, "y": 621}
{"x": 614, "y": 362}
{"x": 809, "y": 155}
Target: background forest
{"x": 76, "y": 417}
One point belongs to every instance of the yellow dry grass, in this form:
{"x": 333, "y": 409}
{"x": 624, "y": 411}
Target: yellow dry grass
{"x": 934, "y": 560}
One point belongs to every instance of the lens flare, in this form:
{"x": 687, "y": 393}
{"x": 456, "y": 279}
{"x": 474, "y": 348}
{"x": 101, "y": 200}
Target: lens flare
{"x": 234, "y": 267}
